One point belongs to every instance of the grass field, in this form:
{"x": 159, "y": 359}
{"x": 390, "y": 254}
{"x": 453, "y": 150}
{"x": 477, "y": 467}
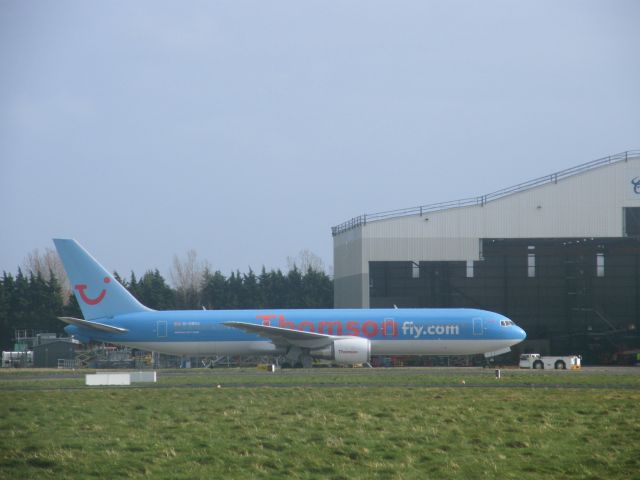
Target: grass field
{"x": 397, "y": 424}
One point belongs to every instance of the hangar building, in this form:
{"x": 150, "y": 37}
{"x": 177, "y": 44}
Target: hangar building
{"x": 560, "y": 255}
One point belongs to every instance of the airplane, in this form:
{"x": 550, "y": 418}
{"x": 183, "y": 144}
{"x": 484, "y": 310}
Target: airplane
{"x": 342, "y": 336}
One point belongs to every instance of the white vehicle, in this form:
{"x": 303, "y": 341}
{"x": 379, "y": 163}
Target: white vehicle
{"x": 537, "y": 361}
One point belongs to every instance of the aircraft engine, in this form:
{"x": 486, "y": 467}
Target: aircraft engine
{"x": 346, "y": 351}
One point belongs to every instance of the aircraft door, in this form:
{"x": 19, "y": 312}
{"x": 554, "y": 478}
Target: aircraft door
{"x": 389, "y": 328}
{"x": 162, "y": 328}
{"x": 477, "y": 326}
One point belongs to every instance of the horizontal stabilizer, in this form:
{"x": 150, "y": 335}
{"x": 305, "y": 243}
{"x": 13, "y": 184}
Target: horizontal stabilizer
{"x": 79, "y": 322}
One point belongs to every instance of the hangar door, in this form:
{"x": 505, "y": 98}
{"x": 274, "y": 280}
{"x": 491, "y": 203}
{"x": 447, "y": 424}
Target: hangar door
{"x": 631, "y": 221}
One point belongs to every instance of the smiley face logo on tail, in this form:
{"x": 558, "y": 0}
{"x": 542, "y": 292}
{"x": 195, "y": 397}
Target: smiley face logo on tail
{"x": 91, "y": 301}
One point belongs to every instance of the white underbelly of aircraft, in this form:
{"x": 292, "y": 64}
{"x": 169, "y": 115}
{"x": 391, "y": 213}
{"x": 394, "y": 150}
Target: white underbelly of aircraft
{"x": 378, "y": 347}
{"x": 208, "y": 348}
{"x": 437, "y": 347}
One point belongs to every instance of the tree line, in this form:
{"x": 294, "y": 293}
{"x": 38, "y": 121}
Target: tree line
{"x": 33, "y": 301}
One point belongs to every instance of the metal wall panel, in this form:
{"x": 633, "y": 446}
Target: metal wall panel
{"x": 351, "y": 291}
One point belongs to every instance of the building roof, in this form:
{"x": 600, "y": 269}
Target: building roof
{"x": 484, "y": 199}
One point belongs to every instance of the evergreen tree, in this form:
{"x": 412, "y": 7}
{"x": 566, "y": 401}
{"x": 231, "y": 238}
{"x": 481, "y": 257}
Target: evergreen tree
{"x": 72, "y": 308}
{"x": 133, "y": 286}
{"x": 265, "y": 284}
{"x": 152, "y": 291}
{"x": 20, "y": 302}
{"x": 6, "y": 312}
{"x": 274, "y": 286}
{"x": 317, "y": 290}
{"x": 54, "y": 306}
{"x": 250, "y": 296}
{"x": 39, "y": 317}
{"x": 215, "y": 293}
{"x": 120, "y": 280}
{"x": 294, "y": 289}
{"x": 234, "y": 284}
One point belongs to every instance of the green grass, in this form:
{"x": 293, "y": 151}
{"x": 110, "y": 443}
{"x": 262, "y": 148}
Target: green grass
{"x": 402, "y": 377}
{"x": 321, "y": 432}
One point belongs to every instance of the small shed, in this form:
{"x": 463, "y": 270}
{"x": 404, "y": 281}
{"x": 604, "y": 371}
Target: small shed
{"x": 48, "y": 354}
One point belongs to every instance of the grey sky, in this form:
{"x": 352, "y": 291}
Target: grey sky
{"x": 246, "y": 129}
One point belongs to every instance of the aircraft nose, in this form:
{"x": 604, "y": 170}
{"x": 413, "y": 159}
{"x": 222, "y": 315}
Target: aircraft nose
{"x": 520, "y": 334}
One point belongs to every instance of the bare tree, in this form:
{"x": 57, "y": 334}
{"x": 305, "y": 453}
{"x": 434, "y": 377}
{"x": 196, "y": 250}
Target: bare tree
{"x": 186, "y": 276}
{"x": 306, "y": 260}
{"x": 46, "y": 264}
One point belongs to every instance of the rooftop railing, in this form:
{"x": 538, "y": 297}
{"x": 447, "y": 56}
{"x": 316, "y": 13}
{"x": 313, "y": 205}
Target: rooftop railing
{"x": 484, "y": 199}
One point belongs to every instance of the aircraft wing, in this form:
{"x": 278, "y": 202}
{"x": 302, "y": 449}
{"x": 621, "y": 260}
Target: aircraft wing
{"x": 79, "y": 322}
{"x": 285, "y": 336}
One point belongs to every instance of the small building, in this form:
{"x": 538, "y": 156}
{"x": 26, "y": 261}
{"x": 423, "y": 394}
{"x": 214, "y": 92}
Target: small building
{"x": 46, "y": 355}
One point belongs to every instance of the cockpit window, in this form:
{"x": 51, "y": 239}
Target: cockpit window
{"x": 506, "y": 323}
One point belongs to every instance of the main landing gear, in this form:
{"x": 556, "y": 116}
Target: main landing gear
{"x": 297, "y": 357}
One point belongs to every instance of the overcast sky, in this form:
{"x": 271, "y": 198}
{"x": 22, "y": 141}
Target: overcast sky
{"x": 246, "y": 129}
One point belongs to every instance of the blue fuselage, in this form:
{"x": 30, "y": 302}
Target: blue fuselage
{"x": 391, "y": 331}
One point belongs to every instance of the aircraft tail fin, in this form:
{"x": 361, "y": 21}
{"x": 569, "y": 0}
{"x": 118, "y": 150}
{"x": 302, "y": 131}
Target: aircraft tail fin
{"x": 98, "y": 293}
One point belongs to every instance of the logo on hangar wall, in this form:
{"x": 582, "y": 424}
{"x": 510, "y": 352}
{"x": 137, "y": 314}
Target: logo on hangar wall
{"x": 636, "y": 185}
